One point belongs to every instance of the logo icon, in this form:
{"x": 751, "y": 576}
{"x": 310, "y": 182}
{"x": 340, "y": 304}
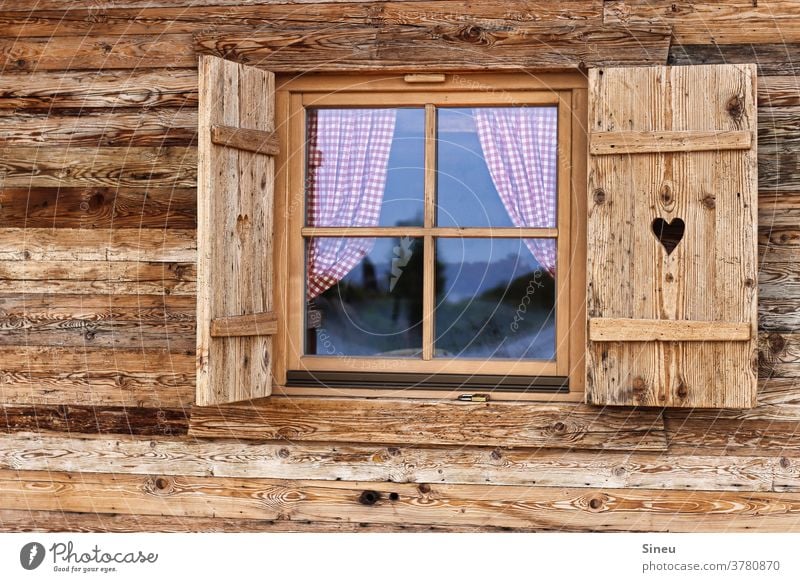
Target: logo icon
{"x": 31, "y": 555}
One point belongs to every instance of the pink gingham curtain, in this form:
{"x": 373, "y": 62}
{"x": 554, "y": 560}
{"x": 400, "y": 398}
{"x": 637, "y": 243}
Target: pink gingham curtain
{"x": 520, "y": 148}
{"x": 348, "y": 158}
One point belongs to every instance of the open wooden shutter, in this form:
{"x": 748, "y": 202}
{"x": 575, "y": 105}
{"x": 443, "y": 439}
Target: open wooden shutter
{"x": 673, "y": 319}
{"x": 234, "y": 231}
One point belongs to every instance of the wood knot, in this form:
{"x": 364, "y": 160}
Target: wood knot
{"x": 710, "y": 201}
{"x": 785, "y": 463}
{"x": 735, "y": 107}
{"x": 393, "y": 451}
{"x": 559, "y": 427}
{"x": 749, "y": 283}
{"x": 682, "y": 390}
{"x": 96, "y": 201}
{"x": 669, "y": 277}
{"x": 474, "y": 35}
{"x": 599, "y": 196}
{"x": 424, "y": 488}
{"x": 597, "y": 503}
{"x": 369, "y": 497}
{"x": 639, "y": 386}
{"x": 619, "y": 471}
{"x": 283, "y": 453}
{"x": 497, "y": 455}
{"x": 665, "y": 195}
{"x": 393, "y": 496}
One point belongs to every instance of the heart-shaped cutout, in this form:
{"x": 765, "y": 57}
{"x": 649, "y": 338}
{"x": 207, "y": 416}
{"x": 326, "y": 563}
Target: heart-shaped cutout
{"x": 669, "y": 234}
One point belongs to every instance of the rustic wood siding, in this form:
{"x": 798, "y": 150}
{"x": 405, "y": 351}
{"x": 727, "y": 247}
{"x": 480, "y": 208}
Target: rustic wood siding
{"x": 98, "y": 170}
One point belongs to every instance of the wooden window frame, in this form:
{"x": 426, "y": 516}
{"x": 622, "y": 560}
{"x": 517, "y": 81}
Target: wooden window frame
{"x": 295, "y": 93}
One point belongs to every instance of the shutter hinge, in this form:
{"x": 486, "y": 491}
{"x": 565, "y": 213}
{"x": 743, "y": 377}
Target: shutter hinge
{"x": 473, "y": 397}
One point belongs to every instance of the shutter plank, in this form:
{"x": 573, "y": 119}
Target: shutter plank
{"x": 710, "y": 276}
{"x": 235, "y": 200}
{"x": 608, "y": 329}
{"x": 639, "y": 142}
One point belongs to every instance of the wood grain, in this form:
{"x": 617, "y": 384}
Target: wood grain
{"x": 640, "y": 142}
{"x": 79, "y": 90}
{"x": 170, "y": 167}
{"x": 396, "y": 464}
{"x": 431, "y": 422}
{"x": 98, "y": 207}
{"x": 94, "y": 420}
{"x": 68, "y": 244}
{"x": 603, "y": 329}
{"x": 138, "y": 128}
{"x": 771, "y": 59}
{"x": 541, "y": 508}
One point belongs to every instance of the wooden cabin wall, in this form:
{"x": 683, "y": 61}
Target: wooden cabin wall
{"x": 98, "y": 110}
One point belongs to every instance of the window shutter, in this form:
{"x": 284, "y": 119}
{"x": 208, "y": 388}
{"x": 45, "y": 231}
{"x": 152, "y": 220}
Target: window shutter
{"x": 235, "y": 192}
{"x": 672, "y": 270}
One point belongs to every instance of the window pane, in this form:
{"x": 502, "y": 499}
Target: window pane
{"x": 497, "y": 166}
{"x": 495, "y": 298}
{"x": 364, "y": 297}
{"x": 365, "y": 167}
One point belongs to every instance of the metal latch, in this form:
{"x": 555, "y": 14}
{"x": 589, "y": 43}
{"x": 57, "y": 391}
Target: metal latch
{"x": 473, "y": 397}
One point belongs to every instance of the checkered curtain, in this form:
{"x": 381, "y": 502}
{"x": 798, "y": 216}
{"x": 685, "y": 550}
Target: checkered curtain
{"x": 520, "y": 147}
{"x": 348, "y": 158}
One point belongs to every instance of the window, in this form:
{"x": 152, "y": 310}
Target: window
{"x": 431, "y": 236}
{"x": 378, "y": 235}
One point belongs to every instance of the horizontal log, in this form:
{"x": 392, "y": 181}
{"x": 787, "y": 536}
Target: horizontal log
{"x": 143, "y": 168}
{"x": 90, "y": 207}
{"x": 609, "y": 329}
{"x": 778, "y": 92}
{"x": 13, "y": 520}
{"x": 251, "y": 140}
{"x": 80, "y": 90}
{"x": 96, "y": 52}
{"x": 138, "y": 321}
{"x": 401, "y": 464}
{"x": 778, "y": 171}
{"x": 116, "y": 128}
{"x": 778, "y": 314}
{"x": 41, "y": 244}
{"x": 171, "y": 19}
{"x": 435, "y": 423}
{"x": 709, "y": 22}
{"x": 771, "y": 59}
{"x": 93, "y": 420}
{"x": 245, "y": 325}
{"x": 97, "y": 277}
{"x": 450, "y": 47}
{"x": 641, "y": 142}
{"x": 541, "y": 508}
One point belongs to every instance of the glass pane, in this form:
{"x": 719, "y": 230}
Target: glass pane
{"x": 497, "y": 166}
{"x": 495, "y": 298}
{"x": 364, "y": 297}
{"x": 365, "y": 167}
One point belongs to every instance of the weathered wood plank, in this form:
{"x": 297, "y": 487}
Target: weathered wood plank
{"x": 609, "y": 329}
{"x": 268, "y": 16}
{"x": 115, "y": 128}
{"x": 245, "y": 325}
{"x": 779, "y": 355}
{"x": 251, "y": 140}
{"x": 352, "y": 462}
{"x": 778, "y": 91}
{"x": 712, "y": 22}
{"x": 47, "y": 375}
{"x": 171, "y": 167}
{"x": 445, "y": 47}
{"x": 425, "y": 422}
{"x": 68, "y": 244}
{"x": 93, "y": 420}
{"x": 543, "y": 508}
{"x": 78, "y": 90}
{"x": 97, "y": 277}
{"x": 771, "y": 59}
{"x": 91, "y": 320}
{"x": 74, "y": 207}
{"x": 12, "y": 520}
{"x": 96, "y": 52}
{"x": 779, "y": 314}
{"x": 640, "y": 142}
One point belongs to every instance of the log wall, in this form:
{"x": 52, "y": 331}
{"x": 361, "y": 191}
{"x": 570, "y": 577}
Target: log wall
{"x": 98, "y": 115}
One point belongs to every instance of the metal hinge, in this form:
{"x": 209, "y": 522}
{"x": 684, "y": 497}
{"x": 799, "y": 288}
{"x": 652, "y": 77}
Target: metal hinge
{"x": 473, "y": 397}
